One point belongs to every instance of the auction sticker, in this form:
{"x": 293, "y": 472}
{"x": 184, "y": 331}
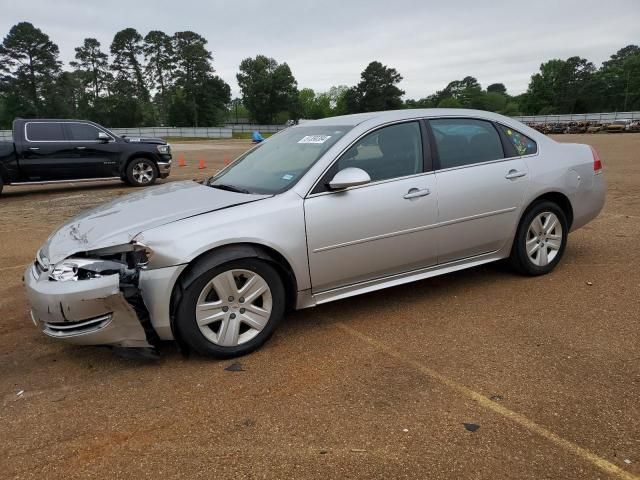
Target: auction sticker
{"x": 314, "y": 139}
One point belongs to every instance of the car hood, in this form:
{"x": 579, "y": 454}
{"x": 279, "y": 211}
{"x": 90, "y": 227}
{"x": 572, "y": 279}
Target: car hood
{"x": 119, "y": 221}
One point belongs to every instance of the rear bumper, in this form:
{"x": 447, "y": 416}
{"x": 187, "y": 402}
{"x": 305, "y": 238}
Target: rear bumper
{"x": 86, "y": 312}
{"x": 589, "y": 201}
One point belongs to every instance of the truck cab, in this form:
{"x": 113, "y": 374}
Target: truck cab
{"x": 47, "y": 151}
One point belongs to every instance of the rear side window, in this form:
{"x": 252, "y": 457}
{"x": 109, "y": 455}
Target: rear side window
{"x": 82, "y": 132}
{"x": 522, "y": 144}
{"x": 465, "y": 141}
{"x": 44, "y": 132}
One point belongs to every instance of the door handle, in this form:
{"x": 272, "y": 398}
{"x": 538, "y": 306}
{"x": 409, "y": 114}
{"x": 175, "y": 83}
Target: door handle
{"x": 514, "y": 174}
{"x": 81, "y": 148}
{"x": 415, "y": 193}
{"x": 34, "y": 148}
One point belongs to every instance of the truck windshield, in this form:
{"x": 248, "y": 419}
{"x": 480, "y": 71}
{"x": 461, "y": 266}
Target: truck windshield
{"x": 278, "y": 163}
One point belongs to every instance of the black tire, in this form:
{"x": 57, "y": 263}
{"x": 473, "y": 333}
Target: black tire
{"x": 1, "y": 185}
{"x": 519, "y": 258}
{"x": 141, "y": 165}
{"x": 190, "y": 332}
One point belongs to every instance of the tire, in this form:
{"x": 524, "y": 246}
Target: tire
{"x": 1, "y": 185}
{"x": 540, "y": 240}
{"x": 141, "y": 172}
{"x": 232, "y": 325}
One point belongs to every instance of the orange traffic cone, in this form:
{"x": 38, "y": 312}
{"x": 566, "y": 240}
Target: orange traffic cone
{"x": 202, "y": 166}
{"x": 227, "y": 160}
{"x": 181, "y": 162}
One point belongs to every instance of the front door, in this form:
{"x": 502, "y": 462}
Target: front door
{"x": 93, "y": 158}
{"x": 377, "y": 229}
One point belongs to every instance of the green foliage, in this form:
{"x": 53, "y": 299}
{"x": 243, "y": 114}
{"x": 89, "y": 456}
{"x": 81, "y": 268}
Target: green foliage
{"x": 314, "y": 106}
{"x": 267, "y": 88}
{"x": 450, "y": 102}
{"x": 28, "y": 62}
{"x": 126, "y": 49}
{"x": 560, "y": 86}
{"x": 376, "y": 91}
{"x": 160, "y": 57}
{"x": 169, "y": 80}
{"x": 497, "y": 88}
{"x": 198, "y": 97}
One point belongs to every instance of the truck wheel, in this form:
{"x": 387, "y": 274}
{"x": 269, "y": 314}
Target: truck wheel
{"x": 1, "y": 185}
{"x": 141, "y": 172}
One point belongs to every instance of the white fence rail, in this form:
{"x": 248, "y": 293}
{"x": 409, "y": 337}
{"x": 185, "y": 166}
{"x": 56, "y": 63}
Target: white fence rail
{"x": 228, "y": 130}
{"x": 249, "y": 128}
{"x": 200, "y": 132}
{"x": 579, "y": 117}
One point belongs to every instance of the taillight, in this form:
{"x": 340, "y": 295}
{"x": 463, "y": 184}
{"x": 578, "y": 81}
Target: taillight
{"x": 597, "y": 163}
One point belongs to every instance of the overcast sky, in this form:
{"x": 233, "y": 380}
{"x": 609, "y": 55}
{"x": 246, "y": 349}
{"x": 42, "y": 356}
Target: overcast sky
{"x": 330, "y": 42}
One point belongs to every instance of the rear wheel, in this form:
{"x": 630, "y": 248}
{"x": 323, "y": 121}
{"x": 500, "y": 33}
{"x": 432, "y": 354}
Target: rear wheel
{"x": 540, "y": 240}
{"x": 141, "y": 172}
{"x": 231, "y": 309}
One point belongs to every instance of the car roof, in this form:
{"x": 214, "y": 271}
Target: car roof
{"x": 405, "y": 114}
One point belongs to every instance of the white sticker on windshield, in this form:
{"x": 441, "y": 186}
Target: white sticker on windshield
{"x": 287, "y": 176}
{"x": 315, "y": 139}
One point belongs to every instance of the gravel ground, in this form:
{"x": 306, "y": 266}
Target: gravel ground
{"x": 478, "y": 374}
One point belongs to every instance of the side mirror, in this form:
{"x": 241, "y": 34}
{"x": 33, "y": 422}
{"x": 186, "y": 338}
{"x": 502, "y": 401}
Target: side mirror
{"x": 349, "y": 177}
{"x": 103, "y": 137}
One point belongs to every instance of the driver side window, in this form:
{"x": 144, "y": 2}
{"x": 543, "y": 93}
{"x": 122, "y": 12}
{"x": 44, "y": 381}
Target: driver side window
{"x": 390, "y": 152}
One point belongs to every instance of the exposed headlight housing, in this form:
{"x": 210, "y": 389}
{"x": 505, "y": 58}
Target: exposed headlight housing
{"x": 74, "y": 269}
{"x": 164, "y": 149}
{"x": 124, "y": 260}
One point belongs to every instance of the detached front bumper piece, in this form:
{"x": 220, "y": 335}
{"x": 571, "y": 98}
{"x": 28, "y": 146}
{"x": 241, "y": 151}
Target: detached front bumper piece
{"x": 84, "y": 312}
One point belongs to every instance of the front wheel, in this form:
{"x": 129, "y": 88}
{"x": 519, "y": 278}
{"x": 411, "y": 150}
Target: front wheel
{"x": 540, "y": 240}
{"x": 232, "y": 309}
{"x": 141, "y": 172}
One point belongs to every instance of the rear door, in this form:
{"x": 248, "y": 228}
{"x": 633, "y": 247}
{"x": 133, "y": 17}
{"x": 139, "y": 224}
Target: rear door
{"x": 93, "y": 158}
{"x": 46, "y": 155}
{"x": 481, "y": 187}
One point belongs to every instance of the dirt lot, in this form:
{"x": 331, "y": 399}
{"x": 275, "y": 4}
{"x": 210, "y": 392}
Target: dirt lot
{"x": 387, "y": 385}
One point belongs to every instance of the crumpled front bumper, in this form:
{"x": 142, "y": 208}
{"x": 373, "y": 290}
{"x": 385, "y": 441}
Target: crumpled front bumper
{"x": 84, "y": 312}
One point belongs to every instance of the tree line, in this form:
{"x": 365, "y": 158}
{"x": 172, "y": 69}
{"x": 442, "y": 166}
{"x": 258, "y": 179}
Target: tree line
{"x": 162, "y": 79}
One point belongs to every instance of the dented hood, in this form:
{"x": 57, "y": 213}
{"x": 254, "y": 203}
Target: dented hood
{"x": 119, "y": 221}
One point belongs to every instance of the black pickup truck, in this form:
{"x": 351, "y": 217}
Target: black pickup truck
{"x": 52, "y": 151}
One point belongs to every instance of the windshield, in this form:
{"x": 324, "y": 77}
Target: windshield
{"x": 278, "y": 163}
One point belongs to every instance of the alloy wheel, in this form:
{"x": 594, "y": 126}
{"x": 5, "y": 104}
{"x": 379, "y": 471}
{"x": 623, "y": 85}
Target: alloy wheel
{"x": 234, "y": 307}
{"x": 142, "y": 172}
{"x": 544, "y": 239}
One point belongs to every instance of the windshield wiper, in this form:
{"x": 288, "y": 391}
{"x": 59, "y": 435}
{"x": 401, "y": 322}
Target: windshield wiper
{"x": 229, "y": 188}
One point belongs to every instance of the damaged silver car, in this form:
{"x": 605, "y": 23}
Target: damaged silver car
{"x": 319, "y": 212}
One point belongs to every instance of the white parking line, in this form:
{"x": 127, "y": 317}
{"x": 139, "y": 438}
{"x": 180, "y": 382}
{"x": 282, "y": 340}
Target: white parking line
{"x": 518, "y": 418}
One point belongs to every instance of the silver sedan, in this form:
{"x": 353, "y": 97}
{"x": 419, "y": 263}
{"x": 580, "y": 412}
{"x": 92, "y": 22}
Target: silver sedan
{"x": 321, "y": 211}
